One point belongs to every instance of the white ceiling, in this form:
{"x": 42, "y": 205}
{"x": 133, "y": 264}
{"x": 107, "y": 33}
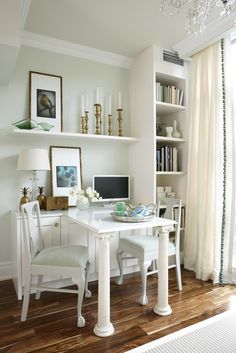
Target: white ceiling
{"x": 120, "y": 26}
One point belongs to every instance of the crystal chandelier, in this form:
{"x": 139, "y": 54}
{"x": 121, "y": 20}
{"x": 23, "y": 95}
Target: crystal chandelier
{"x": 198, "y": 11}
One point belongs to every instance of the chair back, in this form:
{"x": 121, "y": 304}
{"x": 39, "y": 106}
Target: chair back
{"x": 173, "y": 211}
{"x": 32, "y": 233}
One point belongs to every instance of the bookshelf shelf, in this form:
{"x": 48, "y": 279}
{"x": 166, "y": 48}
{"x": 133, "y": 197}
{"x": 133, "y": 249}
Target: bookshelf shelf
{"x": 170, "y": 173}
{"x": 168, "y": 108}
{"x": 169, "y": 139}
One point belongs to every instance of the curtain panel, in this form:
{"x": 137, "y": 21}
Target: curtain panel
{"x": 202, "y": 237}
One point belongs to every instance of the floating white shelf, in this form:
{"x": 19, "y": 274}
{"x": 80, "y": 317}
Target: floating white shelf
{"x": 168, "y": 108}
{"x": 70, "y": 135}
{"x": 170, "y": 173}
{"x": 169, "y": 139}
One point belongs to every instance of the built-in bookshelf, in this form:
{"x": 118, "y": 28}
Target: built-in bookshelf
{"x": 158, "y": 97}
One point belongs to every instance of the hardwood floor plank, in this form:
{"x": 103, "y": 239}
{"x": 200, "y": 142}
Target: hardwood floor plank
{"x": 51, "y": 325}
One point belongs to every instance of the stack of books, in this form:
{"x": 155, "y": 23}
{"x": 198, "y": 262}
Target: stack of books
{"x": 166, "y": 159}
{"x": 169, "y": 94}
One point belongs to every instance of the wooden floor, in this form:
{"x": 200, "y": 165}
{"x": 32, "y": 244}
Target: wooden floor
{"x": 51, "y": 324}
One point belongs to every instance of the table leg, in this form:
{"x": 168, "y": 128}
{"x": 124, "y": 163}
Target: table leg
{"x": 104, "y": 326}
{"x": 162, "y": 307}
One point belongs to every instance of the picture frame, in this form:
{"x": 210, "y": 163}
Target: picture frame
{"x": 66, "y": 169}
{"x": 45, "y": 100}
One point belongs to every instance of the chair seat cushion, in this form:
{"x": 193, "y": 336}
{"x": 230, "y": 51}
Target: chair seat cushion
{"x": 67, "y": 256}
{"x": 144, "y": 243}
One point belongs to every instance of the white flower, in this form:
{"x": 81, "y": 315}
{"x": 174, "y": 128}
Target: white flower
{"x": 89, "y": 193}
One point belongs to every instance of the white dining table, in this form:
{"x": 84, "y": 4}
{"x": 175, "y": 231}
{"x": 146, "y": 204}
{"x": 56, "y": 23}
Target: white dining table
{"x": 98, "y": 220}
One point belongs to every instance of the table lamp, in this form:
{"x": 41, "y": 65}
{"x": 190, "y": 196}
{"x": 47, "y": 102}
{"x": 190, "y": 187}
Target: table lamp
{"x": 33, "y": 159}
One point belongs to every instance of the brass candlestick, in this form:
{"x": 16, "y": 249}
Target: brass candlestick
{"x": 86, "y": 122}
{"x": 120, "y": 121}
{"x": 98, "y": 118}
{"x": 109, "y": 124}
{"x": 83, "y": 124}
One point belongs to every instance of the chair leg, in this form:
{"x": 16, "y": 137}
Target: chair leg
{"x": 81, "y": 285}
{"x": 119, "y": 254}
{"x": 178, "y": 272}
{"x": 38, "y": 292}
{"x": 25, "y": 305}
{"x": 87, "y": 292}
{"x": 144, "y": 268}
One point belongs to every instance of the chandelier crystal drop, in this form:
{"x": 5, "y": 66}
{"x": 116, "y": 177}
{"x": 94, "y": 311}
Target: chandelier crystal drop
{"x": 198, "y": 11}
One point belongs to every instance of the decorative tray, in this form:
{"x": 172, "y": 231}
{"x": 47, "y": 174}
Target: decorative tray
{"x": 131, "y": 219}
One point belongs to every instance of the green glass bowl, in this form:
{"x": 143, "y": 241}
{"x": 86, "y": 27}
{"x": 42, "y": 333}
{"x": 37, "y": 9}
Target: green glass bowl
{"x": 27, "y": 124}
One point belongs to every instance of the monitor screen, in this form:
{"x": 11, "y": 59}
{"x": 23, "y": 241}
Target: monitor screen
{"x": 112, "y": 187}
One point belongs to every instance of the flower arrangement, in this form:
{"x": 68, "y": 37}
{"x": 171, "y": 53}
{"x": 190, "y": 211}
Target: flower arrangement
{"x": 85, "y": 196}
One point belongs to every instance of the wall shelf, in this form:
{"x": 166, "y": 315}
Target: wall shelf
{"x": 168, "y": 108}
{"x": 68, "y": 135}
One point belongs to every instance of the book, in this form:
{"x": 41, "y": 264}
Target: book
{"x": 175, "y": 166}
{"x": 181, "y": 97}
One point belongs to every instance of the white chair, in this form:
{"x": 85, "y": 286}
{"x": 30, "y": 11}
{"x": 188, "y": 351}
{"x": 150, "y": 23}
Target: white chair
{"x": 145, "y": 249}
{"x": 67, "y": 261}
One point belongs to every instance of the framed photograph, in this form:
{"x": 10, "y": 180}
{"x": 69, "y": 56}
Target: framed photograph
{"x": 66, "y": 171}
{"x": 46, "y": 100}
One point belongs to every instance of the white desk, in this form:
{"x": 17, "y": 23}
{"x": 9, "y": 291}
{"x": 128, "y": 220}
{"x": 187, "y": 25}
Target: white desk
{"x": 100, "y": 222}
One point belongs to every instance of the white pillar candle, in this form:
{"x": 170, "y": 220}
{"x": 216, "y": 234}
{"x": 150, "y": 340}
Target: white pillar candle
{"x": 119, "y": 100}
{"x": 109, "y": 104}
{"x": 87, "y": 103}
{"x": 82, "y": 105}
{"x": 100, "y": 96}
{"x": 97, "y": 95}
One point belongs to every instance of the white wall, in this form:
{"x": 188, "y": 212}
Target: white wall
{"x": 79, "y": 76}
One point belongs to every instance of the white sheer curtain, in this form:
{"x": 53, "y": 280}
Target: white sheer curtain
{"x": 202, "y": 238}
{"x": 210, "y": 240}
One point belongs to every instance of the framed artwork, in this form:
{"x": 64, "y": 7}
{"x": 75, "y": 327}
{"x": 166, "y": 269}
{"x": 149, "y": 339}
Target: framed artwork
{"x": 46, "y": 100}
{"x": 66, "y": 171}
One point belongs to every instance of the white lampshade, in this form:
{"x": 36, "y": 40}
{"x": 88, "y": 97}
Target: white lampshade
{"x": 33, "y": 159}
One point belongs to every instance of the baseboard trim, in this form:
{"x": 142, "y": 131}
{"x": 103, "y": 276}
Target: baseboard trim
{"x": 6, "y": 270}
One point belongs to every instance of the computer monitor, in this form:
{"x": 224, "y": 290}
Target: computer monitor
{"x": 112, "y": 187}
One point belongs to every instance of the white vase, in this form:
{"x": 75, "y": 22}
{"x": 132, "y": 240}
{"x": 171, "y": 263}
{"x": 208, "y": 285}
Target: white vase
{"x": 82, "y": 203}
{"x": 175, "y": 133}
{"x": 169, "y": 130}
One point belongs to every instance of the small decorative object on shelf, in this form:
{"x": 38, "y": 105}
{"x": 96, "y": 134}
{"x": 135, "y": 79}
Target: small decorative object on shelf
{"x": 46, "y": 126}
{"x": 84, "y": 197}
{"x": 120, "y": 121}
{"x": 119, "y": 110}
{"x": 169, "y": 131}
{"x": 160, "y": 129}
{"x": 26, "y": 124}
{"x": 25, "y": 197}
{"x": 176, "y": 133}
{"x": 86, "y": 122}
{"x": 41, "y": 197}
{"x": 98, "y": 118}
{"x": 83, "y": 124}
{"x": 109, "y": 124}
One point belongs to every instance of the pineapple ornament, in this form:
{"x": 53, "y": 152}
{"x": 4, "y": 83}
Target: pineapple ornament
{"x": 25, "y": 197}
{"x": 41, "y": 197}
